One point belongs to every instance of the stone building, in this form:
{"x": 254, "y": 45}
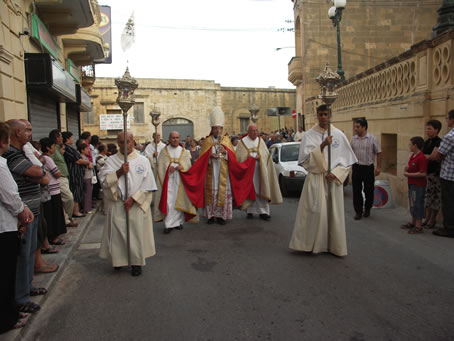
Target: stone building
{"x": 398, "y": 95}
{"x": 43, "y": 47}
{"x": 184, "y": 106}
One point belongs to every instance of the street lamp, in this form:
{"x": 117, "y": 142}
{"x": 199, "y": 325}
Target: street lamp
{"x": 126, "y": 86}
{"x": 335, "y": 14}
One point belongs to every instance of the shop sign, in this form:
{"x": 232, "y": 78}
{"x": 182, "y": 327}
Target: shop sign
{"x": 112, "y": 122}
{"x": 43, "y": 37}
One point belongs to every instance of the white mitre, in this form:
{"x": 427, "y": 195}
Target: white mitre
{"x": 216, "y": 117}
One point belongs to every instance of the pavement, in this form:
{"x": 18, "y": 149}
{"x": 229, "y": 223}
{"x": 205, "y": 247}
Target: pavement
{"x": 48, "y": 281}
{"x": 241, "y": 282}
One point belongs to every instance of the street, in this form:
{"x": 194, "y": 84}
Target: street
{"x": 241, "y": 282}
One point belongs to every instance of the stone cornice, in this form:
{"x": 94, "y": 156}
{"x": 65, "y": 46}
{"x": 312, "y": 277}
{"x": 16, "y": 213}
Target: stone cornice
{"x": 5, "y": 56}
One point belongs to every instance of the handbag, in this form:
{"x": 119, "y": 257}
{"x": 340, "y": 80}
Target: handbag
{"x": 94, "y": 179}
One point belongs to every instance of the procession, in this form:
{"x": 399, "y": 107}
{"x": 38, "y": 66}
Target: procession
{"x": 209, "y": 182}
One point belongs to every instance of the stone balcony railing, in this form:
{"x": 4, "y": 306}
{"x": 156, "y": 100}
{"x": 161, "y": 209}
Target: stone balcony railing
{"x": 426, "y": 67}
{"x": 295, "y": 71}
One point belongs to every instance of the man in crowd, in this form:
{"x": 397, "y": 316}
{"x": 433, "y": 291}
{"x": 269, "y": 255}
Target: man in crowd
{"x": 66, "y": 194}
{"x": 299, "y": 135}
{"x": 28, "y": 178}
{"x": 274, "y": 138}
{"x": 265, "y": 180}
{"x": 141, "y": 184}
{"x": 153, "y": 149}
{"x": 174, "y": 202}
{"x": 320, "y": 222}
{"x": 367, "y": 149}
{"x": 446, "y": 153}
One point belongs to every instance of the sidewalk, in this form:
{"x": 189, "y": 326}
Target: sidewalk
{"x": 72, "y": 238}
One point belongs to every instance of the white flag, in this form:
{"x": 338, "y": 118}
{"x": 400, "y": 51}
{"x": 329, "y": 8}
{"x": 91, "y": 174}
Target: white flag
{"x": 128, "y": 35}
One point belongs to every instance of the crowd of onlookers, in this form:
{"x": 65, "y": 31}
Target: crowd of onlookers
{"x": 46, "y": 186}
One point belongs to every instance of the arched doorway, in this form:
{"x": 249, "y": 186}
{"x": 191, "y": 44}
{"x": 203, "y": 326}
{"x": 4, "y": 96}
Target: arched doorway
{"x": 182, "y": 125}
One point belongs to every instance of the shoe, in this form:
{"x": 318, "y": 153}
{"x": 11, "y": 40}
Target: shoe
{"x": 358, "y": 216}
{"x": 180, "y": 227}
{"x": 136, "y": 270}
{"x": 72, "y": 224}
{"x": 443, "y": 232}
{"x": 167, "y": 230}
{"x": 38, "y": 291}
{"x": 49, "y": 250}
{"x": 210, "y": 221}
{"x": 29, "y": 308}
{"x": 366, "y": 213}
{"x": 221, "y": 221}
{"x": 117, "y": 268}
{"x": 265, "y": 217}
{"x": 79, "y": 215}
{"x": 250, "y": 216}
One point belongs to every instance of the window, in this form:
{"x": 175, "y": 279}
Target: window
{"x": 89, "y": 117}
{"x": 244, "y": 122}
{"x": 389, "y": 153}
{"x": 139, "y": 113}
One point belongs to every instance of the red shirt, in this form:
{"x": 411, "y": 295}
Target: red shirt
{"x": 417, "y": 164}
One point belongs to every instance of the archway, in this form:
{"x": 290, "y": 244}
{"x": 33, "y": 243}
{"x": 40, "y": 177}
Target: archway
{"x": 183, "y": 126}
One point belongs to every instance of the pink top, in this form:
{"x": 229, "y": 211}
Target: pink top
{"x": 51, "y": 169}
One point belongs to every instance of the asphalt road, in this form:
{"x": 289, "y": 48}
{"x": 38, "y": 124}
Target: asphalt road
{"x": 241, "y": 282}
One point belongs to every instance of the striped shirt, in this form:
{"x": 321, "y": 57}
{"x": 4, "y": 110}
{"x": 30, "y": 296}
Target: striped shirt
{"x": 447, "y": 150}
{"x": 365, "y": 149}
{"x": 18, "y": 164}
{"x": 52, "y": 170}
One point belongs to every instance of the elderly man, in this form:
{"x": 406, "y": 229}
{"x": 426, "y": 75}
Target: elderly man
{"x": 445, "y": 153}
{"x": 174, "y": 202}
{"x": 265, "y": 180}
{"x": 141, "y": 184}
{"x": 153, "y": 149}
{"x": 320, "y": 222}
{"x": 28, "y": 178}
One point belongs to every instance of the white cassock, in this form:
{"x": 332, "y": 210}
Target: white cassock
{"x": 151, "y": 149}
{"x": 260, "y": 206}
{"x": 320, "y": 222}
{"x": 141, "y": 184}
{"x": 174, "y": 217}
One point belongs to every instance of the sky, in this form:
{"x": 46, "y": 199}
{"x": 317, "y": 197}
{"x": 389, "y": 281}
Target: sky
{"x": 232, "y": 42}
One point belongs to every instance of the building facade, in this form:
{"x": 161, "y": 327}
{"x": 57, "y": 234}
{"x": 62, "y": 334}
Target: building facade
{"x": 43, "y": 47}
{"x": 184, "y": 106}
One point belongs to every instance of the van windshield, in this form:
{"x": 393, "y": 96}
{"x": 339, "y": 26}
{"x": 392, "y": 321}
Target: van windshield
{"x": 290, "y": 152}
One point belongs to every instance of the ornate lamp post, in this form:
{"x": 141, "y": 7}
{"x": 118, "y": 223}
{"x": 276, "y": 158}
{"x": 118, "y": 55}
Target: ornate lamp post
{"x": 335, "y": 14}
{"x": 126, "y": 86}
{"x": 155, "y": 113}
{"x": 254, "y": 109}
{"x": 328, "y": 80}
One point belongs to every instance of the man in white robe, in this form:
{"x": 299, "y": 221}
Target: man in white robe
{"x": 153, "y": 150}
{"x": 173, "y": 159}
{"x": 141, "y": 184}
{"x": 320, "y": 222}
{"x": 265, "y": 180}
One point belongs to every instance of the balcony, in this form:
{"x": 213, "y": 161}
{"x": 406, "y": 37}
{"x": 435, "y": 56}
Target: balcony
{"x": 295, "y": 71}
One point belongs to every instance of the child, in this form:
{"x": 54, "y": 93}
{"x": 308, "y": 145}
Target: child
{"x": 84, "y": 150}
{"x": 416, "y": 174}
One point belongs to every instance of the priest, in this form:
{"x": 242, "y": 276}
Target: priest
{"x": 266, "y": 185}
{"x": 153, "y": 149}
{"x": 320, "y": 222}
{"x": 174, "y": 205}
{"x": 141, "y": 184}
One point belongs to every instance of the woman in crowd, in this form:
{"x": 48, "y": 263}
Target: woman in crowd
{"x": 194, "y": 150}
{"x": 88, "y": 175}
{"x": 53, "y": 209}
{"x": 76, "y": 167}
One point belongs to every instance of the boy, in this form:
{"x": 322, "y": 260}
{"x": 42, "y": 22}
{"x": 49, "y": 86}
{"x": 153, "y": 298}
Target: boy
{"x": 416, "y": 174}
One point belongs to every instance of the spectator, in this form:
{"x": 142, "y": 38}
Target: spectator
{"x": 53, "y": 209}
{"x": 94, "y": 143}
{"x": 65, "y": 192}
{"x": 273, "y": 140}
{"x": 86, "y": 138}
{"x": 433, "y": 190}
{"x": 111, "y": 149}
{"x": 88, "y": 175}
{"x": 201, "y": 141}
{"x": 101, "y": 160}
{"x": 299, "y": 135}
{"x": 194, "y": 150}
{"x": 446, "y": 154}
{"x": 235, "y": 140}
{"x": 12, "y": 212}
{"x": 28, "y": 177}
{"x": 76, "y": 167}
{"x": 187, "y": 142}
{"x": 416, "y": 172}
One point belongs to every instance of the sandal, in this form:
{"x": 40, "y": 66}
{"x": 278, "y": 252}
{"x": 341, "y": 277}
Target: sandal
{"x": 49, "y": 250}
{"x": 79, "y": 215}
{"x": 407, "y": 226}
{"x": 46, "y": 269}
{"x": 431, "y": 226}
{"x": 58, "y": 242}
{"x": 29, "y": 308}
{"x": 416, "y": 230}
{"x": 38, "y": 291}
{"x": 20, "y": 324}
{"x": 23, "y": 315}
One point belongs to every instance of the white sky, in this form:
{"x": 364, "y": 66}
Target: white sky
{"x": 232, "y": 42}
